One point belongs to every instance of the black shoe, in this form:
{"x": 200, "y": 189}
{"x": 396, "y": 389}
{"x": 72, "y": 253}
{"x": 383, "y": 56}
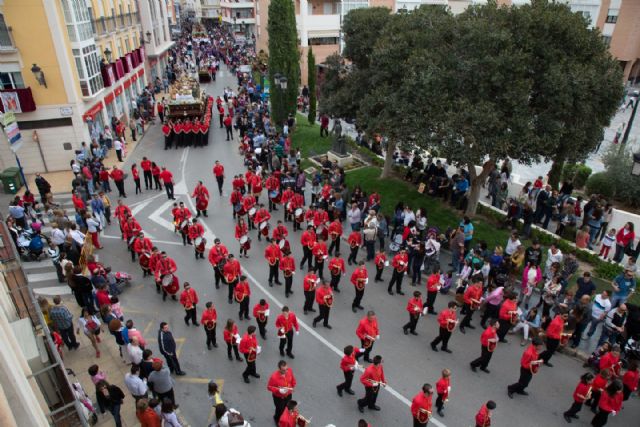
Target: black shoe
{"x": 361, "y": 409}
{"x": 473, "y": 368}
{"x": 246, "y": 379}
{"x": 279, "y": 283}
{"x": 509, "y": 393}
{"x": 181, "y": 373}
{"x": 433, "y": 347}
{"x": 548, "y": 364}
{"x": 315, "y": 322}
{"x": 239, "y": 359}
{"x": 575, "y": 417}
{"x": 208, "y": 346}
{"x": 215, "y": 345}
{"x": 390, "y": 292}
{"x": 446, "y": 350}
{"x": 282, "y": 353}
{"x": 441, "y": 413}
{"x": 230, "y": 358}
{"x": 313, "y": 310}
{"x": 405, "y": 330}
{"x": 567, "y": 418}
{"x": 399, "y": 292}
{"x": 485, "y": 370}
{"x": 339, "y": 391}
{"x": 524, "y": 393}
{"x": 349, "y": 391}
{"x": 355, "y": 310}
{"x": 360, "y": 307}
{"x": 337, "y": 290}
{"x": 471, "y": 327}
{"x": 374, "y": 407}
{"x": 291, "y": 356}
{"x": 255, "y": 375}
{"x": 503, "y": 341}
{"x": 271, "y": 284}
{"x": 413, "y": 333}
{"x": 327, "y": 326}
{"x": 368, "y": 360}
{"x": 462, "y": 329}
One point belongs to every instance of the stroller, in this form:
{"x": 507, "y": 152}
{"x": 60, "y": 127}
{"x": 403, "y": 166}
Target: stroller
{"x": 88, "y": 408}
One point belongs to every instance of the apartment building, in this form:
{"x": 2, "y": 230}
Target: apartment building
{"x": 210, "y": 10}
{"x": 240, "y": 16}
{"x": 67, "y": 67}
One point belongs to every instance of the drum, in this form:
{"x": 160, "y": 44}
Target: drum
{"x": 201, "y": 204}
{"x": 514, "y": 317}
{"x": 252, "y": 212}
{"x": 299, "y": 214}
{"x": 290, "y": 206}
{"x": 170, "y": 284}
{"x": 263, "y": 225}
{"x": 167, "y": 279}
{"x": 273, "y": 194}
{"x": 264, "y": 228}
{"x": 423, "y": 416}
{"x": 534, "y": 367}
{"x": 328, "y": 299}
{"x": 210, "y": 324}
{"x": 251, "y": 356}
{"x": 492, "y": 346}
{"x": 474, "y": 305}
{"x": 360, "y": 284}
{"x": 201, "y": 244}
{"x": 451, "y": 325}
{"x": 244, "y": 239}
{"x": 564, "y": 338}
{"x": 282, "y": 243}
{"x": 367, "y": 342}
{"x": 281, "y": 334}
{"x": 144, "y": 261}
{"x": 184, "y": 226}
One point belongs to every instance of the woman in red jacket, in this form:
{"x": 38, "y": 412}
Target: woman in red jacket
{"x": 610, "y": 403}
{"x": 136, "y": 177}
{"x": 624, "y": 238}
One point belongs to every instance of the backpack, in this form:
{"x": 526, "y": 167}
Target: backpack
{"x": 36, "y": 243}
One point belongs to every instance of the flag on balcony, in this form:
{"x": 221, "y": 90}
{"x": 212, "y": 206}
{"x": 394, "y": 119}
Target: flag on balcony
{"x": 17, "y": 100}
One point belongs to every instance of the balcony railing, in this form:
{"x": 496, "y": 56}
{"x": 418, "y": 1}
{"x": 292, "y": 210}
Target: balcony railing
{"x": 109, "y": 24}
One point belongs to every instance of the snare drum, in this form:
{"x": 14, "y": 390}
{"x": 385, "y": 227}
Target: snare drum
{"x": 282, "y": 243}
{"x": 200, "y": 244}
{"x": 244, "y": 239}
{"x": 167, "y": 279}
{"x": 273, "y": 194}
{"x": 252, "y": 212}
{"x": 263, "y": 224}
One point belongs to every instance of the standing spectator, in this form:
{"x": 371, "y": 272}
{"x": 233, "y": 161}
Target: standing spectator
{"x": 160, "y": 381}
{"x": 110, "y": 398}
{"x": 624, "y": 285}
{"x": 582, "y": 312}
{"x": 118, "y": 178}
{"x": 146, "y": 415}
{"x": 168, "y": 348}
{"x": 512, "y": 244}
{"x": 91, "y": 327}
{"x": 613, "y": 325}
{"x": 585, "y": 286}
{"x": 169, "y": 417}
{"x": 118, "y": 146}
{"x": 62, "y": 321}
{"x": 624, "y": 241}
{"x": 324, "y": 125}
{"x": 136, "y": 386}
{"x": 468, "y": 231}
{"x": 554, "y": 255}
{"x": 167, "y": 180}
{"x": 599, "y": 309}
{"x": 136, "y": 178}
{"x": 354, "y": 215}
{"x": 93, "y": 229}
{"x": 44, "y": 187}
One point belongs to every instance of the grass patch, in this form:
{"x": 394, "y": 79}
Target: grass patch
{"x": 307, "y": 138}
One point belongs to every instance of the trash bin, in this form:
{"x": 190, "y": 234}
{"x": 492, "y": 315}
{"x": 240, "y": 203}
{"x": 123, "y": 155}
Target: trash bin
{"x": 11, "y": 180}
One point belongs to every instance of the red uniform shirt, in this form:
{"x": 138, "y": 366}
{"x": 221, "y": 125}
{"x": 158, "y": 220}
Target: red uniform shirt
{"x": 610, "y": 361}
{"x": 287, "y": 323}
{"x": 599, "y": 383}
{"x": 166, "y": 176}
{"x": 488, "y": 334}
{"x": 248, "y": 343}
{"x": 189, "y": 298}
{"x": 323, "y": 294}
{"x": 348, "y": 362}
{"x": 373, "y": 374}
{"x": 280, "y": 232}
{"x": 380, "y": 260}
{"x": 420, "y": 401}
{"x": 209, "y": 315}
{"x": 217, "y": 253}
{"x": 320, "y": 217}
{"x": 241, "y": 230}
{"x": 581, "y": 391}
{"x": 359, "y": 276}
{"x": 309, "y": 283}
{"x": 135, "y": 173}
{"x": 287, "y": 263}
{"x": 260, "y": 311}
{"x": 288, "y": 418}
{"x": 433, "y": 282}
{"x": 142, "y": 245}
{"x": 272, "y": 253}
{"x": 319, "y": 250}
{"x": 117, "y": 175}
{"x": 242, "y": 290}
{"x": 308, "y": 238}
{"x": 610, "y": 403}
{"x": 507, "y": 306}
{"x": 218, "y": 170}
{"x": 483, "y": 417}
{"x": 165, "y": 266}
{"x": 336, "y": 266}
{"x": 196, "y": 230}
{"x": 248, "y": 202}
{"x": 261, "y": 216}
{"x": 355, "y": 239}
{"x": 400, "y": 262}
{"x": 445, "y": 316}
{"x": 231, "y": 270}
{"x": 335, "y": 229}
{"x": 146, "y": 165}
{"x": 367, "y": 327}
{"x": 442, "y": 387}
{"x": 555, "y": 328}
{"x": 529, "y": 355}
{"x": 630, "y": 379}
{"x": 415, "y": 306}
{"x": 473, "y": 292}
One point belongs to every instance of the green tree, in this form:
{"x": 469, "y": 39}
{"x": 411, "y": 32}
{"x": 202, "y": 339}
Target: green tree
{"x": 311, "y": 80}
{"x": 284, "y": 58}
{"x": 576, "y": 84}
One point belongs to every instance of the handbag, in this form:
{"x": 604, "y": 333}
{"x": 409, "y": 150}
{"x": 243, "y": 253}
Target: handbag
{"x": 234, "y": 419}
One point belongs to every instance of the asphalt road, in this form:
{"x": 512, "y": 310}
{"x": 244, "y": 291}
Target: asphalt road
{"x": 408, "y": 361}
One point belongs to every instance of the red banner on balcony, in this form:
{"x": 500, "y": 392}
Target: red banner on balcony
{"x": 118, "y": 90}
{"x": 129, "y": 62}
{"x": 134, "y": 78}
{"x": 119, "y": 69}
{"x": 125, "y": 64}
{"x": 91, "y": 113}
{"x": 127, "y": 83}
{"x": 142, "y": 53}
{"x": 108, "y": 75}
{"x": 108, "y": 99}
{"x": 24, "y": 97}
{"x": 141, "y": 72}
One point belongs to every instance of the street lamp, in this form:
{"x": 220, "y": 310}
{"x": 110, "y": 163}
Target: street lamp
{"x": 148, "y": 34}
{"x": 635, "y": 170}
{"x": 107, "y": 54}
{"x": 39, "y": 75}
{"x": 280, "y": 81}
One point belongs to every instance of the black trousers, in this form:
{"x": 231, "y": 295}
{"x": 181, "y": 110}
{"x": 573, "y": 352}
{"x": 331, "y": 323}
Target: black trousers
{"x": 320, "y": 268}
{"x": 168, "y": 186}
{"x": 233, "y": 347}
{"x": 552, "y": 346}
{"x": 575, "y": 408}
{"x": 309, "y": 297}
{"x": 335, "y": 281}
{"x": 307, "y": 256}
{"x": 250, "y": 369}
{"x": 370, "y": 397}
{"x": 440, "y": 402}
{"x": 172, "y": 362}
{"x": 490, "y": 312}
{"x": 595, "y": 399}
{"x": 191, "y": 314}
{"x": 431, "y": 301}
{"x": 211, "y": 335}
{"x": 220, "y": 181}
{"x": 484, "y": 359}
{"x": 157, "y": 182}
{"x": 468, "y": 314}
{"x": 280, "y": 404}
{"x": 396, "y": 278}
{"x": 505, "y": 325}
{"x": 412, "y": 323}
{"x": 120, "y": 187}
{"x": 218, "y": 276}
{"x": 367, "y": 351}
{"x": 273, "y": 273}
{"x": 244, "y": 308}
{"x": 348, "y": 380}
{"x": 600, "y": 419}
{"x": 443, "y": 337}
{"x": 69, "y": 337}
{"x": 523, "y": 381}
{"x": 378, "y": 273}
{"x": 417, "y": 423}
{"x": 148, "y": 180}
{"x": 288, "y": 341}
{"x": 324, "y": 315}
{"x": 288, "y": 283}
{"x": 353, "y": 254}
{"x": 357, "y": 298}
{"x": 232, "y": 286}
{"x": 335, "y": 244}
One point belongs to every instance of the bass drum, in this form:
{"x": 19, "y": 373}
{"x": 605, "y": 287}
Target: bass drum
{"x": 144, "y": 261}
{"x": 170, "y": 284}
{"x": 200, "y": 244}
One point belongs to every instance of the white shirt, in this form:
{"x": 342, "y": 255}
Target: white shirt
{"x": 57, "y": 236}
{"x": 92, "y": 225}
{"x": 135, "y": 353}
{"x": 135, "y": 384}
{"x": 117, "y": 144}
{"x": 512, "y": 246}
{"x": 77, "y": 236}
{"x": 170, "y": 419}
{"x": 354, "y": 215}
{"x": 408, "y": 217}
{"x": 551, "y": 257}
{"x": 600, "y": 306}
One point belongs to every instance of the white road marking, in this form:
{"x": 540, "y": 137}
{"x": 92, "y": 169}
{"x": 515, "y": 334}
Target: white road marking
{"x": 305, "y": 326}
{"x": 135, "y": 210}
{"x": 155, "y": 216}
{"x": 165, "y": 242}
{"x": 32, "y": 265}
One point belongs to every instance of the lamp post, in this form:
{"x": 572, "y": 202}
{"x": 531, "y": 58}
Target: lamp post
{"x": 39, "y": 75}
{"x": 635, "y": 169}
{"x": 107, "y": 54}
{"x": 633, "y": 116}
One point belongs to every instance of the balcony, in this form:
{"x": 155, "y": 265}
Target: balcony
{"x": 110, "y": 24}
{"x": 320, "y": 23}
{"x": 237, "y": 4}
{"x": 234, "y": 20}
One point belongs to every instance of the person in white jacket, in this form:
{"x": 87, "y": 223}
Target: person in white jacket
{"x": 599, "y": 309}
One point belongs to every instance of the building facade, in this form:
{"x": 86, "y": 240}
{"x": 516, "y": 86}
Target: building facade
{"x": 240, "y": 16}
{"x": 74, "y": 65}
{"x": 210, "y": 10}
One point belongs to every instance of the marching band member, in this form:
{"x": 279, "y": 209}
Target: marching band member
{"x": 598, "y": 384}
{"x": 256, "y": 186}
{"x": 580, "y": 394}
{"x": 232, "y": 338}
{"x": 471, "y": 298}
{"x": 183, "y": 217}
{"x": 447, "y": 320}
{"x": 309, "y": 285}
{"x": 508, "y": 315}
{"x": 610, "y": 403}
{"x": 261, "y": 313}
{"x": 201, "y": 194}
{"x": 242, "y": 294}
{"x": 307, "y": 240}
{"x": 273, "y": 254}
{"x": 286, "y": 323}
{"x": 189, "y": 299}
{"x": 122, "y": 212}
{"x": 555, "y": 331}
{"x": 380, "y": 261}
{"x": 288, "y": 267}
{"x": 242, "y": 236}
{"x": 231, "y": 272}
{"x": 320, "y": 222}
{"x": 250, "y": 348}
{"x": 372, "y": 379}
{"x": 209, "y": 322}
{"x": 280, "y": 232}
{"x": 236, "y": 203}
{"x": 262, "y": 217}
{"x": 175, "y": 213}
{"x": 421, "y": 406}
{"x": 337, "y": 270}
{"x": 218, "y": 172}
{"x": 238, "y": 184}
{"x": 483, "y": 417}
{"x": 290, "y": 415}
{"x": 156, "y": 255}
{"x": 529, "y": 365}
{"x": 630, "y": 379}
{"x": 488, "y": 344}
{"x": 324, "y": 298}
{"x": 130, "y": 230}
{"x": 249, "y": 206}
{"x": 319, "y": 252}
{"x": 359, "y": 279}
{"x": 196, "y": 232}
{"x": 443, "y": 388}
{"x": 368, "y": 332}
{"x": 400, "y": 264}
{"x": 287, "y": 203}
{"x": 281, "y": 385}
{"x": 414, "y": 307}
{"x": 355, "y": 241}
{"x": 140, "y": 245}
{"x": 165, "y": 265}
{"x": 348, "y": 366}
{"x": 335, "y": 234}
{"x": 297, "y": 205}
{"x": 272, "y": 184}
{"x": 433, "y": 286}
{"x": 611, "y": 361}
{"x": 217, "y": 254}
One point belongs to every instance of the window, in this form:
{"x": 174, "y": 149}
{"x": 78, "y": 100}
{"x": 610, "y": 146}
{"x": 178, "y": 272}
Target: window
{"x": 5, "y": 37}
{"x": 323, "y": 41}
{"x": 88, "y": 66}
{"x": 606, "y": 40}
{"x": 11, "y": 80}
{"x": 126, "y": 44}
{"x": 612, "y": 17}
